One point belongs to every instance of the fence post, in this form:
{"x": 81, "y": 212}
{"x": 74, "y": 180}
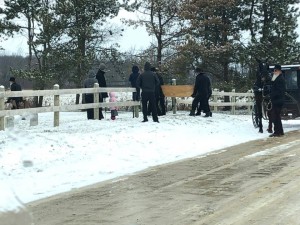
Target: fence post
{"x": 2, "y": 91}
{"x": 215, "y": 99}
{"x": 249, "y": 100}
{"x": 174, "y": 99}
{"x": 56, "y": 103}
{"x": 96, "y": 100}
{"x": 233, "y": 100}
{"x": 136, "y": 111}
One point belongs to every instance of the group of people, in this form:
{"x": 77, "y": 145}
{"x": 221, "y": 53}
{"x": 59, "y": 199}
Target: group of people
{"x": 153, "y": 99}
{"x": 149, "y": 82}
{"x": 89, "y": 83}
{"x": 152, "y": 96}
{"x": 149, "y": 91}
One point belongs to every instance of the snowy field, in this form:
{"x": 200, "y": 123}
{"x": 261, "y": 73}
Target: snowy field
{"x": 41, "y": 161}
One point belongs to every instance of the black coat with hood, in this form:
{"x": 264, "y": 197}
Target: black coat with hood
{"x": 148, "y": 81}
{"x": 102, "y": 82}
{"x": 202, "y": 86}
{"x": 90, "y": 81}
{"x": 134, "y": 76}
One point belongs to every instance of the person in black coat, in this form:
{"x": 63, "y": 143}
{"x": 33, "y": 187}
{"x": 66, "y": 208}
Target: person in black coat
{"x": 102, "y": 83}
{"x": 15, "y": 101}
{"x": 277, "y": 96}
{"x": 132, "y": 79}
{"x": 159, "y": 95}
{"x": 148, "y": 81}
{"x": 201, "y": 94}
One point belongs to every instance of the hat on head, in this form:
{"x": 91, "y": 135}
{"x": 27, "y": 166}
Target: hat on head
{"x": 199, "y": 70}
{"x": 102, "y": 67}
{"x": 277, "y": 67}
{"x": 12, "y": 79}
{"x": 91, "y": 74}
{"x": 153, "y": 69}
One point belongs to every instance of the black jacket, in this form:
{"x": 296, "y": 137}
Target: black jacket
{"x": 102, "y": 82}
{"x": 15, "y": 87}
{"x": 278, "y": 90}
{"x": 134, "y": 76}
{"x": 147, "y": 81}
{"x": 202, "y": 86}
{"x": 158, "y": 91}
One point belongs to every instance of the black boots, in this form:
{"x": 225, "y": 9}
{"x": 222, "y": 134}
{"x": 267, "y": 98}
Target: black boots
{"x": 192, "y": 113}
{"x": 208, "y": 114}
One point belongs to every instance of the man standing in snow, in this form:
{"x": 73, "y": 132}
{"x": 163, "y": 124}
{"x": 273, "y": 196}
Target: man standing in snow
{"x": 148, "y": 81}
{"x": 102, "y": 83}
{"x": 132, "y": 79}
{"x": 202, "y": 93}
{"x": 14, "y": 86}
{"x": 277, "y": 99}
{"x": 159, "y": 95}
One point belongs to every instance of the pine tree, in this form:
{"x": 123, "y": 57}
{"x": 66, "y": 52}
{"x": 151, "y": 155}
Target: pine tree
{"x": 272, "y": 26}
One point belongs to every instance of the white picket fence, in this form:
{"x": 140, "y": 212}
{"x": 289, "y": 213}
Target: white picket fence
{"x": 57, "y": 107}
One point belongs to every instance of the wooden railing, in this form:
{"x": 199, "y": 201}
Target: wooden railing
{"x": 57, "y": 107}
{"x": 181, "y": 94}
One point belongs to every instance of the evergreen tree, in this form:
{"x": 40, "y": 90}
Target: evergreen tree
{"x": 272, "y": 27}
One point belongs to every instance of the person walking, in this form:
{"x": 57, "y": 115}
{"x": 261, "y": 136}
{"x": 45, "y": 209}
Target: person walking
{"x": 113, "y": 109}
{"x": 148, "y": 81}
{"x": 14, "y": 86}
{"x": 100, "y": 76}
{"x": 89, "y": 97}
{"x": 201, "y": 94}
{"x": 136, "y": 96}
{"x": 277, "y": 96}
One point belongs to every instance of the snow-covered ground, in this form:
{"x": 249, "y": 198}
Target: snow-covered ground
{"x": 40, "y": 161}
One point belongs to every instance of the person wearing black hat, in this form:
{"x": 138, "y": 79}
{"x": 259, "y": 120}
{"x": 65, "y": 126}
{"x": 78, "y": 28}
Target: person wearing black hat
{"x": 159, "y": 95}
{"x": 102, "y": 83}
{"x": 202, "y": 93}
{"x": 277, "y": 96}
{"x": 15, "y": 101}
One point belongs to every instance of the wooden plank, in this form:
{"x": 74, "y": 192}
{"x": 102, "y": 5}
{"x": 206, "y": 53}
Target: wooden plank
{"x": 65, "y": 108}
{"x": 219, "y": 104}
{"x": 27, "y": 93}
{"x": 177, "y": 90}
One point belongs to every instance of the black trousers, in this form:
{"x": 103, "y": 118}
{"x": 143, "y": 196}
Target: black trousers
{"x": 276, "y": 119}
{"x": 136, "y": 96}
{"x": 89, "y": 98}
{"x": 160, "y": 107}
{"x": 204, "y": 105}
{"x": 149, "y": 97}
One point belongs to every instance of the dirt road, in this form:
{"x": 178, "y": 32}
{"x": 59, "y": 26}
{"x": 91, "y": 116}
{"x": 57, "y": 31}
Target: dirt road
{"x": 254, "y": 183}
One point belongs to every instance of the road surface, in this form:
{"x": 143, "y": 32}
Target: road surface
{"x": 255, "y": 183}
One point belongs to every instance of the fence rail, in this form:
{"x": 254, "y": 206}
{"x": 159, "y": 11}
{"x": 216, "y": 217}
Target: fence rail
{"x": 179, "y": 95}
{"x": 56, "y": 108}
{"x": 218, "y": 100}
